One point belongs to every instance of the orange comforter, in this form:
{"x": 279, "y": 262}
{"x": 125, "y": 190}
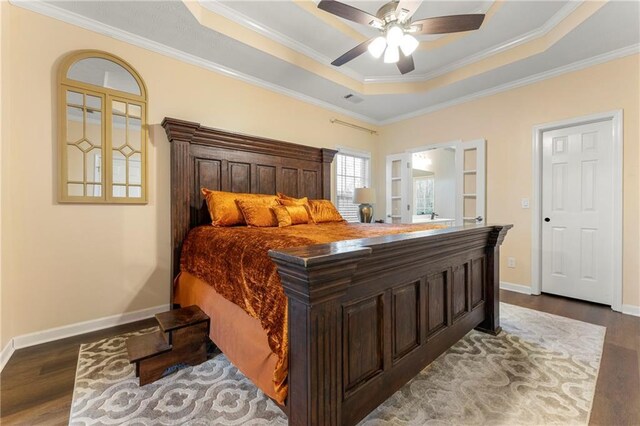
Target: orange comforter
{"x": 235, "y": 262}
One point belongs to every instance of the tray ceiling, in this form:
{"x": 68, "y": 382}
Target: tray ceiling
{"x": 288, "y": 46}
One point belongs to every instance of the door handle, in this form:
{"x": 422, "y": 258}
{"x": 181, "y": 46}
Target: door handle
{"x": 546, "y": 219}
{"x": 479, "y": 219}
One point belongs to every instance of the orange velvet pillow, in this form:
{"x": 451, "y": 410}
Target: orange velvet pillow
{"x": 294, "y": 202}
{"x": 223, "y": 208}
{"x": 257, "y": 214}
{"x": 324, "y": 211}
{"x": 285, "y": 200}
{"x": 291, "y": 215}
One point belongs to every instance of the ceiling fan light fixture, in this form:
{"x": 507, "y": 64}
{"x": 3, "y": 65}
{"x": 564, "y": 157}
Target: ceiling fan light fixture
{"x": 391, "y": 55}
{"x": 377, "y": 46}
{"x": 394, "y": 35}
{"x": 408, "y": 44}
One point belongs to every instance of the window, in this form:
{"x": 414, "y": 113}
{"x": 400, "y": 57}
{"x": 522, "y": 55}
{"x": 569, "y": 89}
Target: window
{"x": 102, "y": 130}
{"x": 352, "y": 171}
{"x": 424, "y": 194}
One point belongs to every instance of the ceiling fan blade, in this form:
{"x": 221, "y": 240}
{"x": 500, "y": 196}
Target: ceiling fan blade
{"x": 405, "y": 64}
{"x": 406, "y": 9}
{"x": 352, "y": 54}
{"x": 351, "y": 13}
{"x": 447, "y": 24}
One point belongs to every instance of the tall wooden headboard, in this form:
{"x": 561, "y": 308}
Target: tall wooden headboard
{"x": 224, "y": 161}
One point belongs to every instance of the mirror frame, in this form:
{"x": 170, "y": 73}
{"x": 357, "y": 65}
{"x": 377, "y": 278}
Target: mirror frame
{"x": 107, "y": 95}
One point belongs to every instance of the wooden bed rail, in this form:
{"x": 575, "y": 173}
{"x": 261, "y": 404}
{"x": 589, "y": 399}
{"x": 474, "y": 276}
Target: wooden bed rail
{"x": 365, "y": 316}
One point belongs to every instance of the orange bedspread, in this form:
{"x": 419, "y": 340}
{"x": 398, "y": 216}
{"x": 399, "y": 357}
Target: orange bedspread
{"x": 235, "y": 262}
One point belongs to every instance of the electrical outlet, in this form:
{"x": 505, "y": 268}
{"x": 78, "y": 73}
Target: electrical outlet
{"x": 511, "y": 262}
{"x": 525, "y": 203}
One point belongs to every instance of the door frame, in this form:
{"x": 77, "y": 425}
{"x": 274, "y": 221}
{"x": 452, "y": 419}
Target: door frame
{"x": 458, "y": 144}
{"x": 616, "y": 118}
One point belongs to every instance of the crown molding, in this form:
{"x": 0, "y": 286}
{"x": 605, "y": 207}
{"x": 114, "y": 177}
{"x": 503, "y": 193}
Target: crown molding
{"x": 239, "y": 18}
{"x": 575, "y": 66}
{"x": 81, "y": 21}
{"x": 58, "y": 13}
{"x": 541, "y": 31}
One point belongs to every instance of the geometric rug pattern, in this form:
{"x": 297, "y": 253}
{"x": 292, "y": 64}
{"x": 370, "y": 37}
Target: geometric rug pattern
{"x": 541, "y": 369}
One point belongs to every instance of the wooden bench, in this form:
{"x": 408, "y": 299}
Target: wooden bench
{"x": 182, "y": 339}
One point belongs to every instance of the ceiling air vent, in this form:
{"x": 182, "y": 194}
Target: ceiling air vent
{"x": 353, "y": 98}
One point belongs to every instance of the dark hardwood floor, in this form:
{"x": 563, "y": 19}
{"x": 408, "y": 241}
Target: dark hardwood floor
{"x": 37, "y": 383}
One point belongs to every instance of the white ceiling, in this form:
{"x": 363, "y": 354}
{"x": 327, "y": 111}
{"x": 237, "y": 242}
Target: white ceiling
{"x": 612, "y": 30}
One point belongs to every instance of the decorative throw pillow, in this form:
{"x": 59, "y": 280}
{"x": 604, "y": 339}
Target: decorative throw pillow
{"x": 285, "y": 200}
{"x": 324, "y": 211}
{"x": 294, "y": 202}
{"x": 223, "y": 208}
{"x": 291, "y": 215}
{"x": 257, "y": 213}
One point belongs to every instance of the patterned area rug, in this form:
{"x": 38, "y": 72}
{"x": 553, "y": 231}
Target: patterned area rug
{"x": 541, "y": 370}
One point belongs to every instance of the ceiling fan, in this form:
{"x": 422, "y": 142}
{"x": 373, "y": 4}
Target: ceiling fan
{"x": 397, "y": 40}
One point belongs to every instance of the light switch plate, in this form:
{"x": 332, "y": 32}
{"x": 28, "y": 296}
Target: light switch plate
{"x": 525, "y": 203}
{"x": 511, "y": 262}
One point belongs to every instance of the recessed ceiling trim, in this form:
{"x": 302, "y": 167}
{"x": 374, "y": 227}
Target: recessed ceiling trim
{"x": 543, "y": 30}
{"x": 81, "y": 21}
{"x": 236, "y": 17}
{"x": 341, "y": 25}
{"x": 254, "y": 39}
{"x": 575, "y": 66}
{"x": 55, "y": 12}
{"x": 244, "y": 20}
{"x": 506, "y": 57}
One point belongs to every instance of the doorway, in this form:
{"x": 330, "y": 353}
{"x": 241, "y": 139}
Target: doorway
{"x": 577, "y": 222}
{"x": 441, "y": 183}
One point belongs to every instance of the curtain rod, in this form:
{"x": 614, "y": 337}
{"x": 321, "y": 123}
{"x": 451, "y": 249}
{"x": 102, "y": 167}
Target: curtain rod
{"x": 353, "y": 126}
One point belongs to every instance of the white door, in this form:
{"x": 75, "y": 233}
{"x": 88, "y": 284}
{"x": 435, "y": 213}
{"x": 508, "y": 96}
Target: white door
{"x": 471, "y": 185}
{"x": 399, "y": 188}
{"x": 577, "y": 212}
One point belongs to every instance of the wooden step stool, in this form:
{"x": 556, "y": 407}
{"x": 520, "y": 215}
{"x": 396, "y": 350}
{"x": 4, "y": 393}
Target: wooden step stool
{"x": 182, "y": 339}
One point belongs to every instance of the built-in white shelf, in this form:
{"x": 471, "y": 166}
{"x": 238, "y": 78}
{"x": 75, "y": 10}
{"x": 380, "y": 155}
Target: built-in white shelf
{"x": 396, "y": 178}
{"x": 469, "y": 172}
{"x": 469, "y": 195}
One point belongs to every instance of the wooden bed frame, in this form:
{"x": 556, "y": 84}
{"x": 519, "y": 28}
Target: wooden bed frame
{"x": 365, "y": 316}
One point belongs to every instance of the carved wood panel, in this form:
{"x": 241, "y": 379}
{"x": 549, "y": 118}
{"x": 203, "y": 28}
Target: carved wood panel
{"x": 290, "y": 181}
{"x": 266, "y": 179}
{"x": 207, "y": 175}
{"x": 405, "y": 313}
{"x": 310, "y": 184}
{"x": 240, "y": 177}
{"x": 460, "y": 290}
{"x": 437, "y": 302}
{"x": 477, "y": 281}
{"x": 363, "y": 341}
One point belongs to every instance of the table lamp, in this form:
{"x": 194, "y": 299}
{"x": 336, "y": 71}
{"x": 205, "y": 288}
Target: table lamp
{"x": 365, "y": 197}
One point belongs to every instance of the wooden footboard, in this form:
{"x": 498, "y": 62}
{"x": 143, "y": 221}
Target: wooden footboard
{"x": 365, "y": 316}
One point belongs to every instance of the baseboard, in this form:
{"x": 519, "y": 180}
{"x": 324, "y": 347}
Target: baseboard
{"x": 631, "y": 310}
{"x": 57, "y": 333}
{"x": 6, "y": 353}
{"x": 517, "y": 288}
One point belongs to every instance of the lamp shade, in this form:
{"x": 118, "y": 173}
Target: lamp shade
{"x": 364, "y": 196}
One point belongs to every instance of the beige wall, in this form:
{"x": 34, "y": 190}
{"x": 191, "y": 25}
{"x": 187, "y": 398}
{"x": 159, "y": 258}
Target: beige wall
{"x": 505, "y": 120}
{"x": 63, "y": 264}
{"x": 3, "y": 129}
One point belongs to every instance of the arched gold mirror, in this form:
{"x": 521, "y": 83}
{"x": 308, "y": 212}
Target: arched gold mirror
{"x": 103, "y": 130}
